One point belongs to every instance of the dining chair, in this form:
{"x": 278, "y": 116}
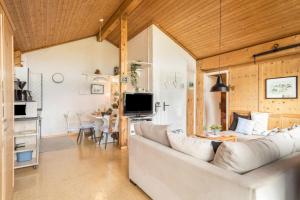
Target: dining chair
{"x": 104, "y": 128}
{"x": 83, "y": 127}
{"x": 115, "y": 128}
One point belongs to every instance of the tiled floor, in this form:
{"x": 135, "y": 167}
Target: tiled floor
{"x": 85, "y": 172}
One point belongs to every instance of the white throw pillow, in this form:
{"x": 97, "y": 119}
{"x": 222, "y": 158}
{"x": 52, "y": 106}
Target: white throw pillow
{"x": 154, "y": 132}
{"x": 261, "y": 122}
{"x": 295, "y": 134}
{"x": 284, "y": 142}
{"x": 245, "y": 126}
{"x": 242, "y": 157}
{"x": 193, "y": 146}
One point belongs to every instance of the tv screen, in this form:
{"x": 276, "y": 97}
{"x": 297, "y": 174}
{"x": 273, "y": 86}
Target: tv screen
{"x": 138, "y": 103}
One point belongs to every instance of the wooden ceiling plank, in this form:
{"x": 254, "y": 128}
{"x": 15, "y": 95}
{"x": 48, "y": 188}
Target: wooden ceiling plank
{"x": 125, "y": 8}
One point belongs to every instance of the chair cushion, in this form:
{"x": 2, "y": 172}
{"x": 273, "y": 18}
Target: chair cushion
{"x": 193, "y": 146}
{"x": 154, "y": 132}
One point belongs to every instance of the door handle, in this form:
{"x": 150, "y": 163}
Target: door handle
{"x": 164, "y": 106}
{"x": 157, "y": 105}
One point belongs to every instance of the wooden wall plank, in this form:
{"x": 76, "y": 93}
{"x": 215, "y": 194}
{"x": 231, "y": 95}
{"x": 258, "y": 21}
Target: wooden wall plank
{"x": 243, "y": 93}
{"x": 244, "y": 56}
{"x": 199, "y": 100}
{"x": 190, "y": 112}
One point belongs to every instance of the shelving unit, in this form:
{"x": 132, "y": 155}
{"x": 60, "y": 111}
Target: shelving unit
{"x": 31, "y": 138}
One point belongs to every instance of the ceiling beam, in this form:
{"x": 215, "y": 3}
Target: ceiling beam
{"x": 125, "y": 8}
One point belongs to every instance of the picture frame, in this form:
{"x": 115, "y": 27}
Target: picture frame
{"x": 97, "y": 89}
{"x": 281, "y": 88}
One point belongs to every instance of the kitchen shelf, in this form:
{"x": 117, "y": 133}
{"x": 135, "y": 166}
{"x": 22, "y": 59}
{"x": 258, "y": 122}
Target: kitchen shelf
{"x": 28, "y": 133}
{"x": 21, "y": 137}
{"x": 31, "y": 147}
{"x": 33, "y": 162}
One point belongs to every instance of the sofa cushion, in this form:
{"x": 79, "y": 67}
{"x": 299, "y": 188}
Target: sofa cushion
{"x": 235, "y": 120}
{"x": 261, "y": 122}
{"x": 242, "y": 157}
{"x": 137, "y": 129}
{"x": 284, "y": 142}
{"x": 154, "y": 132}
{"x": 245, "y": 126}
{"x": 193, "y": 146}
{"x": 295, "y": 134}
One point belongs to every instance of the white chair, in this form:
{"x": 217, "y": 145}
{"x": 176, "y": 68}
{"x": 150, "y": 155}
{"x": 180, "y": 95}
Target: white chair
{"x": 115, "y": 129}
{"x": 103, "y": 125}
{"x": 83, "y": 126}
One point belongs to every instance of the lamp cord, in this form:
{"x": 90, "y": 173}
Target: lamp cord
{"x": 220, "y": 35}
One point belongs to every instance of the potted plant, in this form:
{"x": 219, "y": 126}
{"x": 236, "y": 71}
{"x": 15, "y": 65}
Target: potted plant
{"x": 215, "y": 128}
{"x": 134, "y": 74}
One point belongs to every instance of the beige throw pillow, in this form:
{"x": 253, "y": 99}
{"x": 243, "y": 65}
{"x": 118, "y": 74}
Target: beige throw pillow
{"x": 295, "y": 134}
{"x": 193, "y": 146}
{"x": 242, "y": 157}
{"x": 156, "y": 133}
{"x": 284, "y": 142}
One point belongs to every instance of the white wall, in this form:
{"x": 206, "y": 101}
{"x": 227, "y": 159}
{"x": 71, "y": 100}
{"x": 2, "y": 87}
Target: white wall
{"x": 71, "y": 59}
{"x": 138, "y": 50}
{"x": 169, "y": 58}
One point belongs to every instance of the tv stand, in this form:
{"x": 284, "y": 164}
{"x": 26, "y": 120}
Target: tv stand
{"x": 140, "y": 118}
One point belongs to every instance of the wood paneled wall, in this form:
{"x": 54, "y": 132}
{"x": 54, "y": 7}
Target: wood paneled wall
{"x": 6, "y": 102}
{"x": 190, "y": 112}
{"x": 247, "y": 87}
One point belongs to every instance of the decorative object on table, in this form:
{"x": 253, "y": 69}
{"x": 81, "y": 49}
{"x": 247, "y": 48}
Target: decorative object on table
{"x": 134, "y": 75}
{"x": 97, "y": 89}
{"x": 97, "y": 71}
{"x": 282, "y": 88}
{"x": 116, "y": 71}
{"x": 58, "y": 78}
{"x": 215, "y": 128}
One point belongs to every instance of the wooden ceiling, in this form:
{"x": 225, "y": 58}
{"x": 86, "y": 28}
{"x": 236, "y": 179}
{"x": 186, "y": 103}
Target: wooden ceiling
{"x": 43, "y": 23}
{"x": 193, "y": 23}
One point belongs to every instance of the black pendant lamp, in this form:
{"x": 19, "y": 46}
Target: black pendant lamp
{"x": 220, "y": 86}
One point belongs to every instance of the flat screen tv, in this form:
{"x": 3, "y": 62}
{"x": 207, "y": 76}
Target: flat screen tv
{"x": 138, "y": 103}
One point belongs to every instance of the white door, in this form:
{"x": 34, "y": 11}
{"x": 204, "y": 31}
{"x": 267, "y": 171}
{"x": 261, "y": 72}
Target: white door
{"x": 171, "y": 92}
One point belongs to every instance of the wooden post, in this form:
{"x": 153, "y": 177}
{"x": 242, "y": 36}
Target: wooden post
{"x": 123, "y": 125}
{"x": 199, "y": 100}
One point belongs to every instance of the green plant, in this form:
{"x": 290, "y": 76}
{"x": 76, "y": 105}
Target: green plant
{"x": 134, "y": 74}
{"x": 216, "y": 127}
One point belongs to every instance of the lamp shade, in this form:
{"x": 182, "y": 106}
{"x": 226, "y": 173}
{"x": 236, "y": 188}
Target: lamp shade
{"x": 219, "y": 86}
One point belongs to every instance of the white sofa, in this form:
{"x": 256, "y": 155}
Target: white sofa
{"x": 166, "y": 174}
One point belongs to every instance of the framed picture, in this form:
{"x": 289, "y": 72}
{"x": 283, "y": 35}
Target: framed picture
{"x": 282, "y": 88}
{"x": 97, "y": 89}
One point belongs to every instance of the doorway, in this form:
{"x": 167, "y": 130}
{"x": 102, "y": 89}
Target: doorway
{"x": 215, "y": 103}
